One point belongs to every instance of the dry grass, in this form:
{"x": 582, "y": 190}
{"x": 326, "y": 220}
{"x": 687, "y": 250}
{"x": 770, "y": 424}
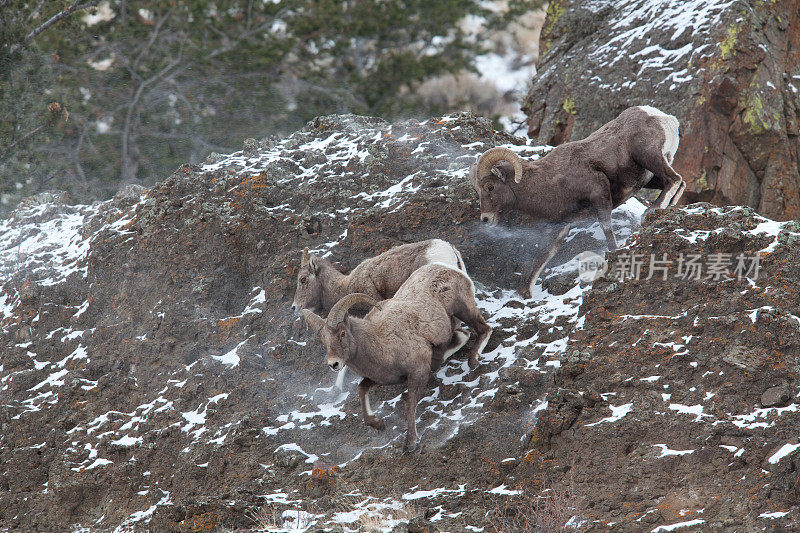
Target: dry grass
{"x": 267, "y": 518}
{"x": 375, "y": 521}
{"x": 373, "y": 515}
{"x": 547, "y": 511}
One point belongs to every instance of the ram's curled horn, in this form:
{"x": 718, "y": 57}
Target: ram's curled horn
{"x": 313, "y": 320}
{"x": 341, "y": 308}
{"x": 304, "y": 259}
{"x": 492, "y": 156}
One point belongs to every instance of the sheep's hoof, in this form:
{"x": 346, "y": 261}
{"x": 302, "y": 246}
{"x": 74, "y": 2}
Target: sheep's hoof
{"x": 412, "y": 448}
{"x": 473, "y": 361}
{"x": 376, "y": 423}
{"x": 525, "y": 293}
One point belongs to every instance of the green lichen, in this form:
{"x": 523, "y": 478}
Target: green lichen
{"x": 757, "y": 118}
{"x": 728, "y": 45}
{"x": 569, "y": 106}
{"x": 555, "y": 9}
{"x": 701, "y": 184}
{"x": 754, "y": 115}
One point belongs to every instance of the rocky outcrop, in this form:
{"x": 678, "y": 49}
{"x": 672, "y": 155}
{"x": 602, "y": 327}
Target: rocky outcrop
{"x": 153, "y": 377}
{"x": 679, "y": 392}
{"x": 729, "y": 70}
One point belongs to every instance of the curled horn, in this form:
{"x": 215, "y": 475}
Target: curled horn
{"x": 341, "y": 308}
{"x": 304, "y": 259}
{"x": 490, "y": 157}
{"x": 313, "y": 320}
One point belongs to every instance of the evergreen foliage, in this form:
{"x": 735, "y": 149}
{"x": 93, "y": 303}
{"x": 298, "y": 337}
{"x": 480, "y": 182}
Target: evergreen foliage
{"x": 98, "y": 94}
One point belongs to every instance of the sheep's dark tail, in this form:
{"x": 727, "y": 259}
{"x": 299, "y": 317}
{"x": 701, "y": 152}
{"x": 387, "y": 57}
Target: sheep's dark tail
{"x": 459, "y": 260}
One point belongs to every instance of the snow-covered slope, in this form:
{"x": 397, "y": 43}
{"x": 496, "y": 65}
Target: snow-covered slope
{"x": 153, "y": 376}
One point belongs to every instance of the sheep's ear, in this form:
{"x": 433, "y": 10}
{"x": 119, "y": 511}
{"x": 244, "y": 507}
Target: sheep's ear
{"x": 313, "y": 264}
{"x": 313, "y": 321}
{"x": 342, "y": 327}
{"x": 499, "y": 173}
{"x": 473, "y": 174}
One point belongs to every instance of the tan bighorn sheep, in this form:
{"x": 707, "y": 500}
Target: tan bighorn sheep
{"x": 320, "y": 285}
{"x": 403, "y": 338}
{"x": 599, "y": 173}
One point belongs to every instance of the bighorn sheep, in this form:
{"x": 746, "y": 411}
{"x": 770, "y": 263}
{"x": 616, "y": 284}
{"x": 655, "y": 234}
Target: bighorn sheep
{"x": 600, "y": 172}
{"x": 320, "y": 285}
{"x": 403, "y": 338}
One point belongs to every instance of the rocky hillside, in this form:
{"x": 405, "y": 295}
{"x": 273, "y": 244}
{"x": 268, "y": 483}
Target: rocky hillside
{"x": 153, "y": 377}
{"x": 728, "y": 69}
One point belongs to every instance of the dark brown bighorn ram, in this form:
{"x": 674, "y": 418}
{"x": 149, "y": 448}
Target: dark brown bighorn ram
{"x": 403, "y": 338}
{"x": 598, "y": 173}
{"x": 320, "y": 284}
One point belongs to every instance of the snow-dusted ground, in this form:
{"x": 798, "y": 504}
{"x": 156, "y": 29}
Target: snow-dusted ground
{"x": 53, "y": 244}
{"x": 60, "y": 241}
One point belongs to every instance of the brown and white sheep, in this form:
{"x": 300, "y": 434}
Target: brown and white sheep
{"x": 404, "y": 338}
{"x": 598, "y": 173}
{"x": 320, "y": 284}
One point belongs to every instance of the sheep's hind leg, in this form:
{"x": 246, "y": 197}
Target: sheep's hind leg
{"x": 416, "y": 384}
{"x": 471, "y": 315}
{"x": 460, "y": 338}
{"x": 443, "y": 352}
{"x": 604, "y": 216}
{"x": 673, "y": 182}
{"x": 675, "y": 199}
{"x": 366, "y": 409}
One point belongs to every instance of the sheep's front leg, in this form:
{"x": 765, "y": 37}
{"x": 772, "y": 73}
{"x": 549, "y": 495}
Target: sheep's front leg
{"x": 416, "y": 385}
{"x": 555, "y": 244}
{"x": 366, "y": 409}
{"x": 340, "y": 378}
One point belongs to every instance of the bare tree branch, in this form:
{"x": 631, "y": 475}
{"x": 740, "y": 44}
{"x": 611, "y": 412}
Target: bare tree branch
{"x": 127, "y": 174}
{"x": 36, "y": 11}
{"x": 78, "y": 5}
{"x": 28, "y": 135}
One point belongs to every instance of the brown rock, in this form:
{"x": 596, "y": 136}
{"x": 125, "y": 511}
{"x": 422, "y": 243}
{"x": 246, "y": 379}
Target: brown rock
{"x": 776, "y": 397}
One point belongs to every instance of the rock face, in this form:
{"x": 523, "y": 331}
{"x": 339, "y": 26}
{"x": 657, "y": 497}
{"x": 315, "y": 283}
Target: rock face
{"x": 729, "y": 70}
{"x": 153, "y": 377}
{"x": 679, "y": 392}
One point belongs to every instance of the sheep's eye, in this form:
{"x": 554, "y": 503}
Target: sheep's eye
{"x": 490, "y": 188}
{"x": 303, "y": 280}
{"x": 341, "y": 335}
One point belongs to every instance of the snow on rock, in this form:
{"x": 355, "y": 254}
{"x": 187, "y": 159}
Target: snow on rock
{"x": 691, "y": 359}
{"x": 166, "y": 353}
{"x": 785, "y": 450}
{"x": 617, "y": 413}
{"x": 678, "y": 525}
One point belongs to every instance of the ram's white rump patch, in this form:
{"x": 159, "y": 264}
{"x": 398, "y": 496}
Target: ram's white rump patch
{"x": 670, "y": 126}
